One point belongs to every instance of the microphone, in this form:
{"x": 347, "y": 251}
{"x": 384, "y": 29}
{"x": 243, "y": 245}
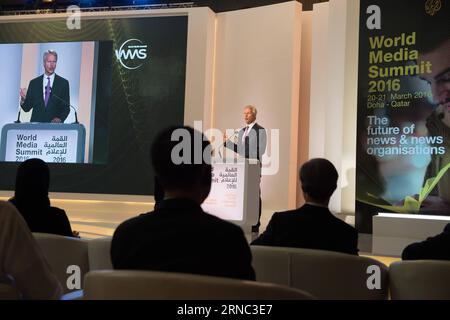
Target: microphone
{"x": 233, "y": 136}
{"x": 235, "y": 132}
{"x": 62, "y": 100}
{"x": 18, "y": 117}
{"x": 18, "y": 114}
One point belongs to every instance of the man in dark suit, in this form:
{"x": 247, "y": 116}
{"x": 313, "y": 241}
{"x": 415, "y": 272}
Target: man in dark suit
{"x": 252, "y": 139}
{"x": 312, "y": 226}
{"x": 433, "y": 248}
{"x": 48, "y": 95}
{"x": 178, "y": 236}
{"x": 251, "y": 144}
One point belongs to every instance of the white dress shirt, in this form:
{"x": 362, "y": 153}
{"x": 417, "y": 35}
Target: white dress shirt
{"x": 246, "y": 132}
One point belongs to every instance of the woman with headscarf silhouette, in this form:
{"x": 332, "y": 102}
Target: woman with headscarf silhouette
{"x": 31, "y": 200}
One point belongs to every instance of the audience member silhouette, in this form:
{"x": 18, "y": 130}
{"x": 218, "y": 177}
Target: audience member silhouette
{"x": 31, "y": 199}
{"x": 433, "y": 248}
{"x": 312, "y": 226}
{"x": 22, "y": 262}
{"x": 178, "y": 236}
{"x": 158, "y": 192}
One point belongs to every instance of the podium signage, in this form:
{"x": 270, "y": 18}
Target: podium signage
{"x": 53, "y": 143}
{"x": 234, "y": 194}
{"x": 50, "y": 146}
{"x": 226, "y": 198}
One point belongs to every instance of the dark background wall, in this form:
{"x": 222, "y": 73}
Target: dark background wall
{"x": 217, "y": 6}
{"x": 228, "y": 5}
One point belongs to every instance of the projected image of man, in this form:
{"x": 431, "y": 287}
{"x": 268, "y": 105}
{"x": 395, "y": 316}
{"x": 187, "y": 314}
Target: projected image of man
{"x": 48, "y": 94}
{"x": 435, "y": 50}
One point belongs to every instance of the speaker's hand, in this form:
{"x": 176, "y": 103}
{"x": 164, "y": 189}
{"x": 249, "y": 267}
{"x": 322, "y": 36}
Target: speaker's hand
{"x": 23, "y": 94}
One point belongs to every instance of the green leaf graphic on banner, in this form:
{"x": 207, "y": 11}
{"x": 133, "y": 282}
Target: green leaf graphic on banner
{"x": 431, "y": 183}
{"x": 411, "y": 204}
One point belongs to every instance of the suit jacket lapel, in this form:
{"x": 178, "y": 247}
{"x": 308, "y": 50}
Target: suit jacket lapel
{"x": 41, "y": 91}
{"x": 55, "y": 86}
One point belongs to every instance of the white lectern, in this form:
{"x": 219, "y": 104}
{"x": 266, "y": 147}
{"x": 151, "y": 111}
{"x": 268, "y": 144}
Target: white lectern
{"x": 234, "y": 192}
{"x": 51, "y": 142}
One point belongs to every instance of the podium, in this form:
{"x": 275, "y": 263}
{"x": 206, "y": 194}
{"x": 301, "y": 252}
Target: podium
{"x": 234, "y": 194}
{"x": 51, "y": 142}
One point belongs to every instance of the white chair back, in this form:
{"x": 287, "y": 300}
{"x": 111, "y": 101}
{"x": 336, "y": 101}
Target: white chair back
{"x": 324, "y": 274}
{"x": 420, "y": 280}
{"x": 8, "y": 292}
{"x": 152, "y": 285}
{"x": 99, "y": 254}
{"x": 62, "y": 252}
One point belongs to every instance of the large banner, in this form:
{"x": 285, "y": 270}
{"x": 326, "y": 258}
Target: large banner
{"x": 403, "y": 135}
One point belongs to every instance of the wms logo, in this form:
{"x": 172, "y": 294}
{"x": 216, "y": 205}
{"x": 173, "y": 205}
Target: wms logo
{"x": 131, "y": 54}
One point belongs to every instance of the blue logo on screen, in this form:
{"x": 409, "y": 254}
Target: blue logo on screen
{"x": 131, "y": 54}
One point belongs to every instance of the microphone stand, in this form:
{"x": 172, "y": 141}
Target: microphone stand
{"x": 18, "y": 117}
{"x": 71, "y": 106}
{"x": 229, "y": 139}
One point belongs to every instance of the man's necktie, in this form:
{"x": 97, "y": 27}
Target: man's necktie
{"x": 47, "y": 91}
{"x": 245, "y": 134}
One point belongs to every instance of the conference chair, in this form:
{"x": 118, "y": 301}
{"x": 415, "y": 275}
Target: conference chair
{"x": 155, "y": 285}
{"x": 99, "y": 251}
{"x": 8, "y": 292}
{"x": 67, "y": 257}
{"x": 420, "y": 280}
{"x": 324, "y": 274}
